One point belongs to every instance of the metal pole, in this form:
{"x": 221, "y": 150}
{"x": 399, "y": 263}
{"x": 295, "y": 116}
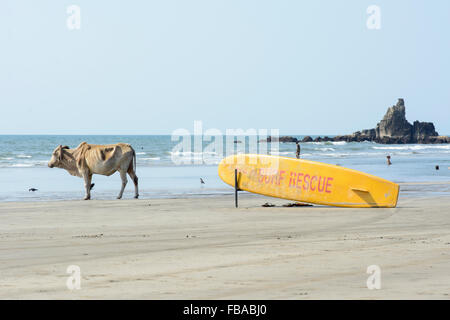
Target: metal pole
{"x": 236, "y": 189}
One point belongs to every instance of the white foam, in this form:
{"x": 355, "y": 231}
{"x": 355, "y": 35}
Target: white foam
{"x": 186, "y": 153}
{"x": 350, "y": 154}
{"x": 324, "y": 149}
{"x": 23, "y": 156}
{"x": 399, "y": 153}
{"x": 279, "y": 153}
{"x": 335, "y": 143}
{"x": 334, "y": 155}
{"x": 339, "y": 143}
{"x": 414, "y": 147}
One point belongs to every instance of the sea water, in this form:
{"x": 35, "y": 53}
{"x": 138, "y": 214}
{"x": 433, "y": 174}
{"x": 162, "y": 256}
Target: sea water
{"x": 23, "y": 165}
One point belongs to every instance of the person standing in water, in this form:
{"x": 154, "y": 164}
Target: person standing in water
{"x": 388, "y": 160}
{"x": 297, "y": 154}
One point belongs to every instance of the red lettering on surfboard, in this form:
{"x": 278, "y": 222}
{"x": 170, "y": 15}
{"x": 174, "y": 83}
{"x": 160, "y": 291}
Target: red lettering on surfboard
{"x": 299, "y": 180}
{"x": 290, "y": 179}
{"x": 320, "y": 189}
{"x": 269, "y": 176}
{"x": 293, "y": 179}
{"x": 261, "y": 177}
{"x": 280, "y": 177}
{"x": 312, "y": 183}
{"x": 306, "y": 182}
{"x": 328, "y": 184}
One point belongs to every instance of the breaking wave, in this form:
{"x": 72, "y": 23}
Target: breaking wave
{"x": 413, "y": 147}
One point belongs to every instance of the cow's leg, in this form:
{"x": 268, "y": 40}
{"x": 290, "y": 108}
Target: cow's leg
{"x": 87, "y": 185}
{"x": 134, "y": 177}
{"x": 123, "y": 176}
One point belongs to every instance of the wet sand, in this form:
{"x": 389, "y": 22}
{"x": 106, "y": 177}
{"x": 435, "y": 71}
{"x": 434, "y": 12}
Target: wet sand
{"x": 204, "y": 248}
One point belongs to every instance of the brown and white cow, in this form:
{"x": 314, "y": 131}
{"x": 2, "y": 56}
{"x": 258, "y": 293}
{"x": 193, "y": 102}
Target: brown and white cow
{"x": 88, "y": 159}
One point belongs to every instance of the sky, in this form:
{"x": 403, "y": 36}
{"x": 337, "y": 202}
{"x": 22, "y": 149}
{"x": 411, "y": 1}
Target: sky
{"x": 151, "y": 67}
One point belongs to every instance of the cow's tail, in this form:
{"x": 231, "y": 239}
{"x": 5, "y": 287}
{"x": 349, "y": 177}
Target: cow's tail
{"x": 134, "y": 161}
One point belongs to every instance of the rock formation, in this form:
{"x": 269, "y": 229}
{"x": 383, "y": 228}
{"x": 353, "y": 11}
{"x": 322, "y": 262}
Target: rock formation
{"x": 395, "y": 129}
{"x": 392, "y": 129}
{"x": 280, "y": 139}
{"x": 394, "y": 123}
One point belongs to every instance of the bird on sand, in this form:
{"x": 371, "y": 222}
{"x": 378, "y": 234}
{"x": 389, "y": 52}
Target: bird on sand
{"x": 201, "y": 181}
{"x": 32, "y": 189}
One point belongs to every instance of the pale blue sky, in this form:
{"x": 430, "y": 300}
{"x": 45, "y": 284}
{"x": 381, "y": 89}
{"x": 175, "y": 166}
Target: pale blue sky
{"x": 149, "y": 67}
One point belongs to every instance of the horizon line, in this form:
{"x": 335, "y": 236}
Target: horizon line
{"x": 157, "y": 134}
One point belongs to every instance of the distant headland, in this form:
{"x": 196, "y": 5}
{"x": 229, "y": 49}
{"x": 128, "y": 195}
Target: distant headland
{"x": 392, "y": 129}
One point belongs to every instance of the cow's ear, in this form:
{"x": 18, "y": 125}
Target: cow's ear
{"x": 61, "y": 153}
{"x": 65, "y": 147}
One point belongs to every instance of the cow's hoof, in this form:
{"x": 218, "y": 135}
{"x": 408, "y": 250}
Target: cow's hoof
{"x": 136, "y": 197}
{"x": 87, "y": 198}
{"x": 118, "y": 198}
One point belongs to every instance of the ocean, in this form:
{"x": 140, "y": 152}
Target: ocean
{"x": 23, "y": 165}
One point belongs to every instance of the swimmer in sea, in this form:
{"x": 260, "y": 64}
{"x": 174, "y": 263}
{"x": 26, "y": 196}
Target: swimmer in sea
{"x": 388, "y": 160}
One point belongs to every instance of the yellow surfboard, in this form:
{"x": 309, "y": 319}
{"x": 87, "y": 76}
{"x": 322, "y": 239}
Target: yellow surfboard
{"x": 308, "y": 181}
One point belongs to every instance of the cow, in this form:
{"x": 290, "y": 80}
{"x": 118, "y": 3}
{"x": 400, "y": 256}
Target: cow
{"x": 88, "y": 159}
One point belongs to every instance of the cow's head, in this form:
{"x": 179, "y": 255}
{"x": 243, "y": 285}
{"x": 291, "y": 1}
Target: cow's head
{"x": 57, "y": 156}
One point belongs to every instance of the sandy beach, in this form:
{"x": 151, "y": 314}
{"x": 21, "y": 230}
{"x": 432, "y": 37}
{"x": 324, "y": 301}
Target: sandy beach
{"x": 204, "y": 248}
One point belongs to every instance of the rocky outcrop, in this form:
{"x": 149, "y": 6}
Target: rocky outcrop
{"x": 280, "y": 139}
{"x": 394, "y": 124}
{"x": 395, "y": 129}
{"x": 392, "y": 129}
{"x": 423, "y": 131}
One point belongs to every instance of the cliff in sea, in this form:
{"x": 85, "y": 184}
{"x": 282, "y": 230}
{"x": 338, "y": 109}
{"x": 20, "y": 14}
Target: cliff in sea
{"x": 395, "y": 129}
{"x": 392, "y": 129}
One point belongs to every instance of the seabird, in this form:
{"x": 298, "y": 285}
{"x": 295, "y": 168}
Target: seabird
{"x": 32, "y": 189}
{"x": 201, "y": 181}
